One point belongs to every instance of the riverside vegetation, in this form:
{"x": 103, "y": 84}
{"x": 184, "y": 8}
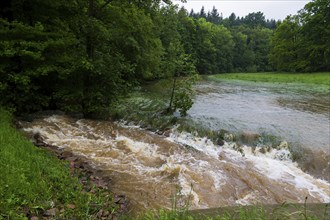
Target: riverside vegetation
{"x": 87, "y": 56}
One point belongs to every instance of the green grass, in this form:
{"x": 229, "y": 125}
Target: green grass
{"x": 308, "y": 78}
{"x": 285, "y": 211}
{"x": 34, "y": 180}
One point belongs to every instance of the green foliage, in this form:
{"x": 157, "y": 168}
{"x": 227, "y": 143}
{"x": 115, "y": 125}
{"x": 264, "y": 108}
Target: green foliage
{"x": 76, "y": 63}
{"x": 183, "y": 93}
{"x": 243, "y": 56}
{"x": 214, "y": 47}
{"x": 255, "y": 19}
{"x": 260, "y": 45}
{"x": 315, "y": 18}
{"x": 175, "y": 60}
{"x": 230, "y": 44}
{"x": 301, "y": 42}
{"x": 252, "y": 48}
{"x": 134, "y": 36}
{"x": 30, "y": 55}
{"x": 286, "y": 42}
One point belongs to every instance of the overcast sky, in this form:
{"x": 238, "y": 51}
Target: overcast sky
{"x": 276, "y": 9}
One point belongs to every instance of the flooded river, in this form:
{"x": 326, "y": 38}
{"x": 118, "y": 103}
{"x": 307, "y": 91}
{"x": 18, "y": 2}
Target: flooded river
{"x": 154, "y": 170}
{"x": 296, "y": 113}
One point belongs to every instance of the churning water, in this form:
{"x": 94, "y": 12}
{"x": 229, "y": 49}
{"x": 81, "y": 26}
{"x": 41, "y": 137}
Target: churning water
{"x": 295, "y": 113}
{"x": 151, "y": 169}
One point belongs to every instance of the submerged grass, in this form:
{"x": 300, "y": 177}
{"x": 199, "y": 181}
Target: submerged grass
{"x": 274, "y": 77}
{"x": 146, "y": 106}
{"x": 33, "y": 180}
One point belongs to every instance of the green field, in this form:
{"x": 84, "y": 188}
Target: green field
{"x": 308, "y": 78}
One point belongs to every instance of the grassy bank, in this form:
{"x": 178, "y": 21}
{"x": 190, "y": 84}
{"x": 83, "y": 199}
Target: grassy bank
{"x": 308, "y": 78}
{"x": 35, "y": 183}
{"x": 285, "y": 211}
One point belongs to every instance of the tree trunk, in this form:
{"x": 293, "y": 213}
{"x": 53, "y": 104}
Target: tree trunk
{"x": 172, "y": 96}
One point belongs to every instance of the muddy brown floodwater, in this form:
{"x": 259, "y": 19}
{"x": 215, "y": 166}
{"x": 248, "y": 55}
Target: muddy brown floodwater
{"x": 151, "y": 170}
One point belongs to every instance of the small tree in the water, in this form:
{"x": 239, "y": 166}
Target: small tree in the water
{"x": 183, "y": 79}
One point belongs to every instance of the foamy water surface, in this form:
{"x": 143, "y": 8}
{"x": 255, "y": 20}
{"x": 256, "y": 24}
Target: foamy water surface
{"x": 151, "y": 169}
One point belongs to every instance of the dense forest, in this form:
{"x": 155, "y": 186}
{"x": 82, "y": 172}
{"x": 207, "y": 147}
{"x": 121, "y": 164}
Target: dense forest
{"x": 83, "y": 55}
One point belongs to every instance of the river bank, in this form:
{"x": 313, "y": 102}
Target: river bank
{"x": 47, "y": 183}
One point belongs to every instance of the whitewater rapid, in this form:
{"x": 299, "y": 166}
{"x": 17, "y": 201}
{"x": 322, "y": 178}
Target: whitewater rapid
{"x": 153, "y": 170}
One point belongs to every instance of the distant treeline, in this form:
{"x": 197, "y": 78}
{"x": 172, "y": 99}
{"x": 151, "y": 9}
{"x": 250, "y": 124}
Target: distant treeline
{"x": 83, "y": 55}
{"x": 252, "y": 19}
